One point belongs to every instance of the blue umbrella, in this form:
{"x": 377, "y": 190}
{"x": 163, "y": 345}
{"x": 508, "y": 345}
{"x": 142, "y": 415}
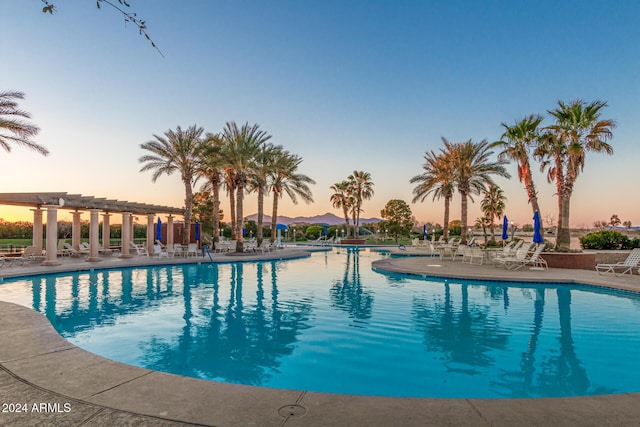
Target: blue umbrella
{"x": 159, "y": 229}
{"x": 537, "y": 226}
{"x": 505, "y": 228}
{"x": 424, "y": 231}
{"x": 197, "y": 231}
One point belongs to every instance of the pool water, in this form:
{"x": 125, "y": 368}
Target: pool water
{"x": 330, "y": 323}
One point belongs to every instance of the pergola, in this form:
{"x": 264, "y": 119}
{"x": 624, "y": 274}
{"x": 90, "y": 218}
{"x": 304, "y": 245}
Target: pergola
{"x": 52, "y": 201}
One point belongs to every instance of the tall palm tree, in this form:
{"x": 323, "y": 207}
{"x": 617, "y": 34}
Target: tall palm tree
{"x": 211, "y": 168}
{"x": 515, "y": 143}
{"x": 473, "y": 172}
{"x": 265, "y": 166}
{"x": 13, "y": 130}
{"x": 285, "y": 179}
{"x": 229, "y": 178}
{"x": 341, "y": 199}
{"x": 241, "y": 147}
{"x": 176, "y": 151}
{"x": 492, "y": 205}
{"x": 437, "y": 178}
{"x": 361, "y": 189}
{"x": 577, "y": 131}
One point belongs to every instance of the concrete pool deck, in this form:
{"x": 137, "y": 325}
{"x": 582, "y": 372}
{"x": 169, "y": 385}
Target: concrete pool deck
{"x": 53, "y": 382}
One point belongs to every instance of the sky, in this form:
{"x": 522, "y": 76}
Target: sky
{"x": 346, "y": 85}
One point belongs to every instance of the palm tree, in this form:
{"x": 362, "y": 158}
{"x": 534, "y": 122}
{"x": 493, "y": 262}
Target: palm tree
{"x": 241, "y": 147}
{"x": 437, "y": 179}
{"x": 482, "y": 222}
{"x": 285, "y": 178}
{"x": 211, "y": 168}
{"x": 515, "y": 142}
{"x": 578, "y": 130}
{"x": 176, "y": 152}
{"x": 13, "y": 130}
{"x": 265, "y": 163}
{"x": 361, "y": 189}
{"x": 492, "y": 205}
{"x": 229, "y": 177}
{"x": 341, "y": 199}
{"x": 473, "y": 171}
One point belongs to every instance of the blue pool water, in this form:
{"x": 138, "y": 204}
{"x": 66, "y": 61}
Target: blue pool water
{"x": 330, "y": 323}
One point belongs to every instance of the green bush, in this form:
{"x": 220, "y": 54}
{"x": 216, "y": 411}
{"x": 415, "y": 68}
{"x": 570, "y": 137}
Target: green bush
{"x": 607, "y": 239}
{"x": 313, "y": 232}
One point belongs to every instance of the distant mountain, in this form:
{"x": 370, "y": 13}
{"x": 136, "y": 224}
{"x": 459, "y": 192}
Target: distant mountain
{"x": 327, "y": 218}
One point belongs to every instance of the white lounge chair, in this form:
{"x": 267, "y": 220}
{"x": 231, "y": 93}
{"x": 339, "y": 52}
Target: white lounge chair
{"x": 140, "y": 250}
{"x": 512, "y": 260}
{"x": 28, "y": 255}
{"x": 192, "y": 250}
{"x": 620, "y": 268}
{"x": 535, "y": 260}
{"x": 158, "y": 252}
{"x": 62, "y": 249}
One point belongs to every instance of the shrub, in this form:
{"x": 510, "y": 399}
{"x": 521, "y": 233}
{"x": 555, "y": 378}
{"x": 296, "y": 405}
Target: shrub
{"x": 605, "y": 239}
{"x": 313, "y": 232}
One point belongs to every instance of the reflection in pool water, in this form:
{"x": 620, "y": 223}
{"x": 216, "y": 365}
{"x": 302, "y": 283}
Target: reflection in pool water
{"x": 330, "y": 323}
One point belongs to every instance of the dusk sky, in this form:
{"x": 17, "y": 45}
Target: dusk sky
{"x": 347, "y": 85}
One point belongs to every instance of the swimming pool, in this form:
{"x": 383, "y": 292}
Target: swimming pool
{"x": 330, "y": 323}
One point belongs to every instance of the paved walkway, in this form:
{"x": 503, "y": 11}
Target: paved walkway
{"x": 45, "y": 380}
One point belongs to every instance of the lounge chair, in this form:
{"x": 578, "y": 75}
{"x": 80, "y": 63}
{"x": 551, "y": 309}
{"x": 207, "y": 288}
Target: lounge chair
{"x": 192, "y": 250}
{"x": 535, "y": 260}
{"x": 265, "y": 246}
{"x": 512, "y": 260}
{"x": 28, "y": 255}
{"x": 62, "y": 249}
{"x": 158, "y": 252}
{"x": 140, "y": 250}
{"x": 620, "y": 268}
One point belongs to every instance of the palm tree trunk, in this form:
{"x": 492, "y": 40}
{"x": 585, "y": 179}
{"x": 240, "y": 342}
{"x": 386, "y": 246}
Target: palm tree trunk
{"x": 260, "y": 214}
{"x": 493, "y": 230}
{"x": 274, "y": 216}
{"x": 216, "y": 212}
{"x": 232, "y": 209}
{"x": 346, "y": 220}
{"x": 188, "y": 205}
{"x": 463, "y": 215}
{"x": 239, "y": 218}
{"x": 445, "y": 227}
{"x": 563, "y": 239}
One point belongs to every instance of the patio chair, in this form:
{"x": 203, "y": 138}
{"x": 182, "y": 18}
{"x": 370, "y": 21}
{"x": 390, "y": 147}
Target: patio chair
{"x": 158, "y": 252}
{"x": 192, "y": 250}
{"x": 140, "y": 250}
{"x": 519, "y": 257}
{"x": 62, "y": 249}
{"x": 28, "y": 255}
{"x": 620, "y": 268}
{"x": 535, "y": 260}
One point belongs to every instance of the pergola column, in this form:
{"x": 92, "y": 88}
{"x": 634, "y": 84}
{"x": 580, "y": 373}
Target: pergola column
{"x": 150, "y": 233}
{"x": 125, "y": 237}
{"x": 94, "y": 236}
{"x": 170, "y": 231}
{"x": 76, "y": 230}
{"x": 52, "y": 236}
{"x": 37, "y": 230}
{"x": 106, "y": 232}
{"x": 131, "y": 228}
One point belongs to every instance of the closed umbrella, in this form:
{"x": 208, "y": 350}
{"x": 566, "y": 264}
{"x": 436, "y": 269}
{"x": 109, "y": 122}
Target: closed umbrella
{"x": 424, "y": 231}
{"x": 537, "y": 227}
{"x": 505, "y": 228}
{"x": 197, "y": 229}
{"x": 159, "y": 229}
